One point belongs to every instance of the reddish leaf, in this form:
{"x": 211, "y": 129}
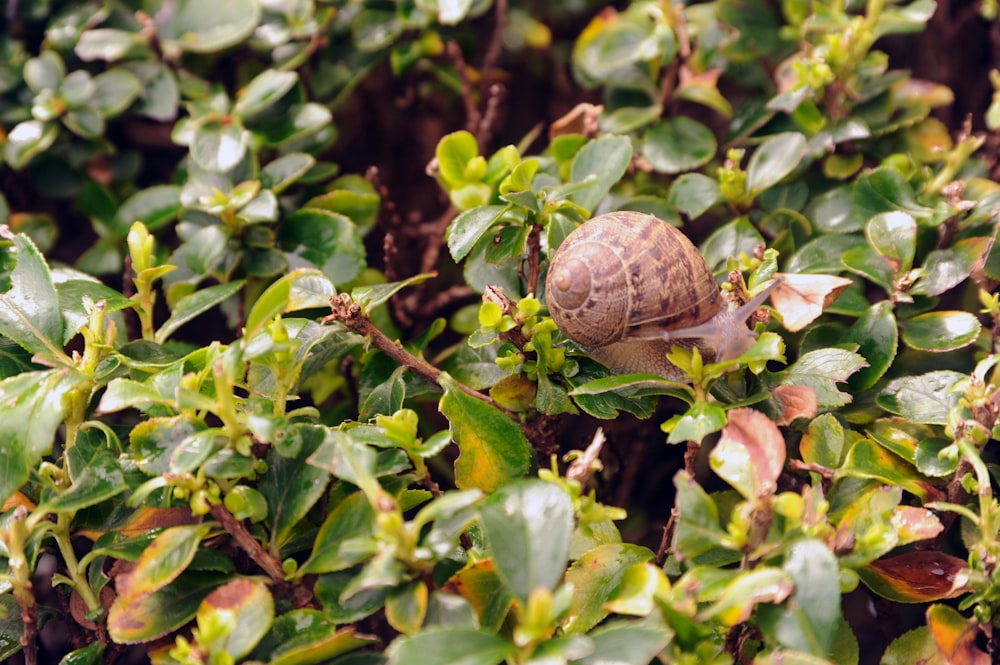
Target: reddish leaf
{"x": 751, "y": 453}
{"x": 795, "y": 402}
{"x": 916, "y": 577}
{"x": 800, "y": 299}
{"x": 913, "y": 523}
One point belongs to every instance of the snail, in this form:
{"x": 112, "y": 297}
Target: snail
{"x": 627, "y": 286}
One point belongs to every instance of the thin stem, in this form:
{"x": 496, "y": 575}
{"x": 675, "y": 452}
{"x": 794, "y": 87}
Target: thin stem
{"x": 269, "y": 563}
{"x": 77, "y": 571}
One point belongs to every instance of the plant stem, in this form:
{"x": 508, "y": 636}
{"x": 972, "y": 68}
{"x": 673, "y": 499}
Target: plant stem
{"x": 20, "y": 578}
{"x": 268, "y": 562}
{"x": 77, "y": 573}
{"x": 351, "y": 315}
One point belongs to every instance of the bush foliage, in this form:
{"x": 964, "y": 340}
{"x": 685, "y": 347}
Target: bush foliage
{"x": 279, "y": 383}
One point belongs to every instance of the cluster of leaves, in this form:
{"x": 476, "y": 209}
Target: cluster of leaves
{"x": 285, "y": 492}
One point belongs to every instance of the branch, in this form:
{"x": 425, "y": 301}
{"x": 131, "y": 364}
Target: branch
{"x": 348, "y": 312}
{"x": 268, "y": 563}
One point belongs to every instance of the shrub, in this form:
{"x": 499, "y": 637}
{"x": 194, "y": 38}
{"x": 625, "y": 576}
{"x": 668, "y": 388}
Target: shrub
{"x": 253, "y": 412}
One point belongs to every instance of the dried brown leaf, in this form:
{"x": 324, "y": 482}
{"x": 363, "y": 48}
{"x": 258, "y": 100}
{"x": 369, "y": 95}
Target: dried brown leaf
{"x": 581, "y": 119}
{"x": 796, "y": 402}
{"x": 800, "y": 299}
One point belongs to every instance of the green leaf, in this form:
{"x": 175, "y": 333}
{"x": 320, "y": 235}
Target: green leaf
{"x": 625, "y": 643}
{"x": 737, "y": 237}
{"x": 821, "y": 370}
{"x": 466, "y": 230}
{"x": 807, "y": 621}
{"x": 85, "y": 122}
{"x": 44, "y": 72}
{"x": 946, "y": 268}
{"x": 885, "y": 190}
{"x": 219, "y": 147}
{"x": 35, "y": 404}
{"x": 160, "y": 94}
{"x": 493, "y": 449}
{"x": 867, "y": 459}
{"x": 28, "y": 139}
{"x": 154, "y": 440}
{"x": 199, "y": 27}
{"x": 353, "y": 197}
{"x": 162, "y": 561}
{"x": 605, "y": 396}
{"x": 108, "y": 44}
{"x": 774, "y": 159}
{"x": 678, "y": 144}
{"x": 154, "y": 206}
{"x": 877, "y": 336}
{"x": 941, "y": 331}
{"x": 302, "y": 288}
{"x": 746, "y": 590}
{"x": 95, "y": 473}
{"x": 698, "y": 526}
{"x": 922, "y": 399}
{"x": 72, "y": 294}
{"x": 285, "y": 170}
{"x": 451, "y": 646}
{"x": 292, "y": 487}
{"x": 88, "y": 655}
{"x": 233, "y": 618}
{"x": 694, "y": 193}
{"x": 528, "y": 525}
{"x": 347, "y": 459}
{"x": 864, "y": 260}
{"x": 304, "y": 637}
{"x": 29, "y": 310}
{"x": 454, "y": 152}
{"x": 479, "y": 584}
{"x": 823, "y": 442}
{"x": 596, "y": 577}
{"x": 345, "y": 538}
{"x": 263, "y": 92}
{"x": 115, "y": 90}
{"x": 894, "y": 236}
{"x": 194, "y": 304}
{"x": 406, "y": 608}
{"x": 702, "y": 419}
{"x": 915, "y": 646}
{"x": 11, "y": 626}
{"x": 627, "y": 119}
{"x": 605, "y": 160}
{"x": 328, "y": 240}
{"x": 148, "y": 617}
{"x": 371, "y": 296}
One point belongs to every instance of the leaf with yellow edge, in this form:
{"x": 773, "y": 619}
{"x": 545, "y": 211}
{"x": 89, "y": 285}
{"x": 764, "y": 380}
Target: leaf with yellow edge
{"x": 919, "y": 576}
{"x": 162, "y": 561}
{"x": 493, "y": 448}
{"x": 955, "y": 636}
{"x": 763, "y": 585}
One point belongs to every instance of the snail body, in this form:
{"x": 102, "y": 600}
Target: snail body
{"x": 627, "y": 286}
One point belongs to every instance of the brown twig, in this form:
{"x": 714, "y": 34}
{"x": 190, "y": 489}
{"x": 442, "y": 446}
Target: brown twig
{"x": 445, "y": 298}
{"x": 473, "y": 116}
{"x": 495, "y": 47}
{"x": 268, "y": 563}
{"x": 534, "y": 257}
{"x": 668, "y": 536}
{"x": 354, "y": 319}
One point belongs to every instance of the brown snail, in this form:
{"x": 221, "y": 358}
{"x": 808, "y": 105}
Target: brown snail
{"x": 627, "y": 286}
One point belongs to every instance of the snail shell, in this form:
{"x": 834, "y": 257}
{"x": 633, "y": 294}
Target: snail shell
{"x": 627, "y": 286}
